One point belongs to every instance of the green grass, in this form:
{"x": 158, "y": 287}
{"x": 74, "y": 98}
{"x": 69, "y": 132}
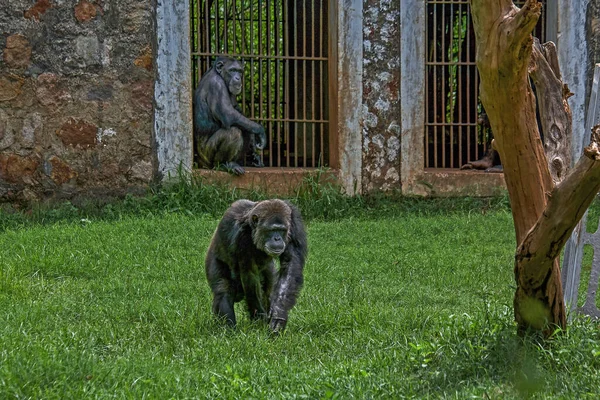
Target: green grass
{"x": 404, "y": 299}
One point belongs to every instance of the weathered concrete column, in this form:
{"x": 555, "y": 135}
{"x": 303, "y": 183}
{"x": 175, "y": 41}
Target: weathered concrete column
{"x": 173, "y": 137}
{"x": 572, "y": 46}
{"x": 347, "y": 21}
{"x": 412, "y": 94}
{"x": 573, "y": 59}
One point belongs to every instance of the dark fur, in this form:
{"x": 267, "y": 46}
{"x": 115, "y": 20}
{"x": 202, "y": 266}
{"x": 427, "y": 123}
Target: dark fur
{"x": 240, "y": 261}
{"x": 221, "y": 132}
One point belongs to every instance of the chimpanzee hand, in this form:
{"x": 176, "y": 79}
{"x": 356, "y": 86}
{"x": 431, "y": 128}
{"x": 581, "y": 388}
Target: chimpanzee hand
{"x": 260, "y": 138}
{"x": 232, "y": 167}
{"x": 277, "y": 325}
{"x": 256, "y": 161}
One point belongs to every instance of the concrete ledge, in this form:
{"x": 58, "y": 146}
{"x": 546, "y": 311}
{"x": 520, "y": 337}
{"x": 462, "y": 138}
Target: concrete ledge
{"x": 272, "y": 181}
{"x": 457, "y": 183}
{"x": 287, "y": 181}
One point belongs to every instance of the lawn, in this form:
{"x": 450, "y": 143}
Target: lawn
{"x": 397, "y": 303}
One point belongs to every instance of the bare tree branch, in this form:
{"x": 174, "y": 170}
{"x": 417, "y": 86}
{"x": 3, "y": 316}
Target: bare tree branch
{"x": 525, "y": 19}
{"x": 566, "y": 205}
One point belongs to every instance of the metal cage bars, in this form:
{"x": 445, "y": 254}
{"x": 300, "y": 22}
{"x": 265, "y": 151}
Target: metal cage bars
{"x": 456, "y": 131}
{"x": 284, "y": 48}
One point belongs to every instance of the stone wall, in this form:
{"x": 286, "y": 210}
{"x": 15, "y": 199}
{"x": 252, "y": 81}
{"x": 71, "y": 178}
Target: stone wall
{"x": 76, "y": 97}
{"x": 381, "y": 96}
{"x": 77, "y": 82}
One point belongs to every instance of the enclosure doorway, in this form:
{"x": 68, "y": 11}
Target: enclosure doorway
{"x": 456, "y": 127}
{"x": 284, "y": 47}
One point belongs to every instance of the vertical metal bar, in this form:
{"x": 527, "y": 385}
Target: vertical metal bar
{"x": 194, "y": 39}
{"x": 459, "y": 86}
{"x": 197, "y": 41}
{"x": 453, "y": 97}
{"x": 313, "y": 79}
{"x": 469, "y": 102}
{"x": 225, "y": 41}
{"x": 427, "y": 88}
{"x": 445, "y": 70}
{"x": 242, "y": 50}
{"x": 261, "y": 83}
{"x": 260, "y": 63}
{"x": 321, "y": 88}
{"x": 207, "y": 23}
{"x": 268, "y": 29}
{"x": 277, "y": 112}
{"x": 435, "y": 88}
{"x": 295, "y": 41}
{"x": 266, "y": 59}
{"x": 217, "y": 28}
{"x": 304, "y": 85}
{"x": 287, "y": 81}
{"x": 475, "y": 93}
{"x": 333, "y": 84}
{"x": 251, "y": 21}
{"x": 234, "y": 25}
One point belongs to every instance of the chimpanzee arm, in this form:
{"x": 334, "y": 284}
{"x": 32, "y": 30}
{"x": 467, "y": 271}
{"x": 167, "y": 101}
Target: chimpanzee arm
{"x": 290, "y": 278}
{"x": 286, "y": 291}
{"x": 223, "y": 109}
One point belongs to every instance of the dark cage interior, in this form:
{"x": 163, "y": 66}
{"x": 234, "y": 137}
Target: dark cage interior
{"x": 284, "y": 48}
{"x": 456, "y": 128}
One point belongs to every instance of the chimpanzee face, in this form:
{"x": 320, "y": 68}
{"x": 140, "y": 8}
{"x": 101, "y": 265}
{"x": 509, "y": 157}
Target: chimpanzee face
{"x": 270, "y": 222}
{"x": 231, "y": 71}
{"x": 275, "y": 240}
{"x": 270, "y": 236}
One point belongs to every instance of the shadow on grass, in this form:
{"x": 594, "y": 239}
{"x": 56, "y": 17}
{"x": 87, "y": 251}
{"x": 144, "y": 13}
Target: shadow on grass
{"x": 495, "y": 361}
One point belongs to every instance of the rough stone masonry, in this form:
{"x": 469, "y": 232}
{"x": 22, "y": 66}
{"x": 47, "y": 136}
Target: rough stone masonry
{"x": 76, "y": 97}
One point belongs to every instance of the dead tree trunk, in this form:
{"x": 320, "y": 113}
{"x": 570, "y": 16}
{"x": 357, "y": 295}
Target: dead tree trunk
{"x": 544, "y": 215}
{"x": 555, "y": 114}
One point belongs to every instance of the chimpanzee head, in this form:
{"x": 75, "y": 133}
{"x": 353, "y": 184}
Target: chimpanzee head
{"x": 231, "y": 71}
{"x": 270, "y": 221}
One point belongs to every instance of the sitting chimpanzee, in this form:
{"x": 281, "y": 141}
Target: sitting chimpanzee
{"x": 221, "y": 132}
{"x": 240, "y": 261}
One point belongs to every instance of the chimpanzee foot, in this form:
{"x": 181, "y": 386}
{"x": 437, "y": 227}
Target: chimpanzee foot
{"x": 233, "y": 168}
{"x": 258, "y": 315}
{"x": 484, "y": 163}
{"x": 495, "y": 168}
{"x": 257, "y": 161}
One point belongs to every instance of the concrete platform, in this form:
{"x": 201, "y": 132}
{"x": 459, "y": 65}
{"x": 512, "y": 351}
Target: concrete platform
{"x": 458, "y": 183}
{"x": 272, "y": 180}
{"x": 287, "y": 181}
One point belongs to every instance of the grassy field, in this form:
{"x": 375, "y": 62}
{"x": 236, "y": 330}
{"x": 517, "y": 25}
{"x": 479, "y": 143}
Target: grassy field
{"x": 401, "y": 300}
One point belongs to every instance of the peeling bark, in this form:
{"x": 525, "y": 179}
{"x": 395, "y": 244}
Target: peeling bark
{"x": 554, "y": 110}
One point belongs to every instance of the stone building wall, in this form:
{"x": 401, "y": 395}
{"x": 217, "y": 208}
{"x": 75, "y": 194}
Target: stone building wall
{"x": 76, "y": 97}
{"x": 77, "y": 81}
